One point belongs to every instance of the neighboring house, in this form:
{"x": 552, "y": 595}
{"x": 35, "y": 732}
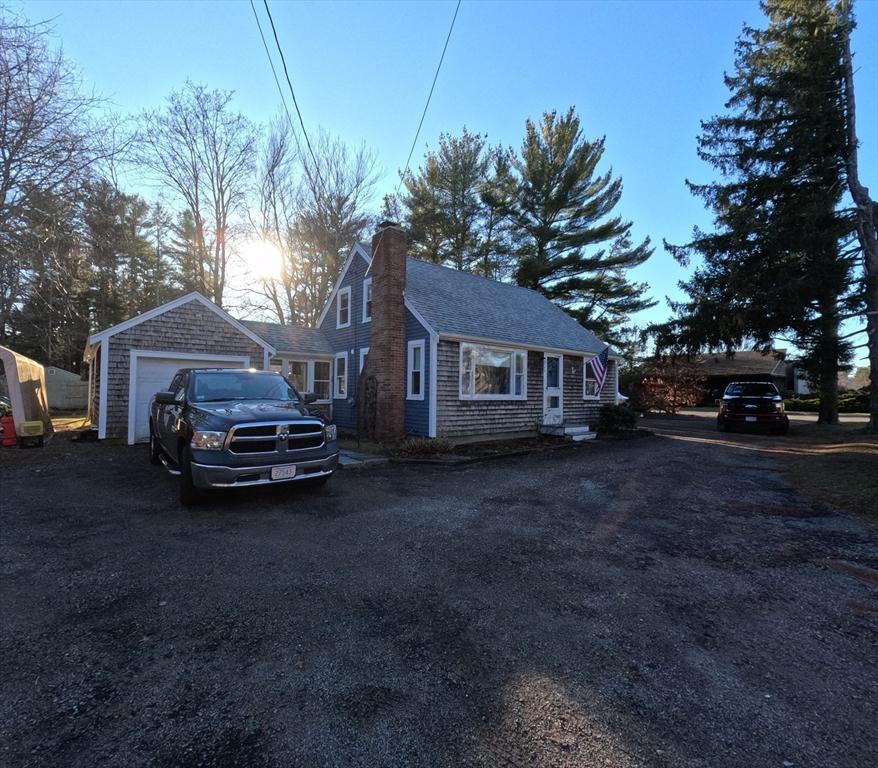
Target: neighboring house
{"x": 433, "y": 351}
{"x": 66, "y": 390}
{"x": 720, "y": 370}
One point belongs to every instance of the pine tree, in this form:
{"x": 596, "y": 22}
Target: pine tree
{"x": 568, "y": 244}
{"x": 778, "y": 260}
{"x": 452, "y": 210}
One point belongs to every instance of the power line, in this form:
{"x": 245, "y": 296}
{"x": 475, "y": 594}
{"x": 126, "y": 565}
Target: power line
{"x": 274, "y": 73}
{"x": 293, "y": 94}
{"x": 429, "y": 97}
{"x": 420, "y": 125}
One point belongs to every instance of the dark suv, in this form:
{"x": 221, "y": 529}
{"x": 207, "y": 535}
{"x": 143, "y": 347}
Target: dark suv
{"x": 231, "y": 428}
{"x": 752, "y": 404}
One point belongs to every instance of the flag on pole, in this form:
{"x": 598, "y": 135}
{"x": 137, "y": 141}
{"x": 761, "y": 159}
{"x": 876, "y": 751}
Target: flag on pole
{"x": 599, "y": 367}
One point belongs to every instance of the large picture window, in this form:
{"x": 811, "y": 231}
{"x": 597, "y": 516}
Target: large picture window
{"x": 492, "y": 373}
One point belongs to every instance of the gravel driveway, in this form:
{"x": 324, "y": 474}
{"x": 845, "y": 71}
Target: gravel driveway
{"x": 654, "y": 602}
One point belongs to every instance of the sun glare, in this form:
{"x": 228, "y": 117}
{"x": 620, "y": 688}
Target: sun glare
{"x": 261, "y": 259}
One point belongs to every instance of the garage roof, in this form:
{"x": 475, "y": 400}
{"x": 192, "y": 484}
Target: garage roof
{"x": 100, "y": 336}
{"x": 290, "y": 338}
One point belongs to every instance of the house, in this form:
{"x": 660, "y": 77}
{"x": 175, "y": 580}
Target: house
{"x": 745, "y": 365}
{"x": 402, "y": 347}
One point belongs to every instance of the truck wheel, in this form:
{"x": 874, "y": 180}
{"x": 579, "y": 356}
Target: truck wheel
{"x": 154, "y": 450}
{"x": 189, "y": 494}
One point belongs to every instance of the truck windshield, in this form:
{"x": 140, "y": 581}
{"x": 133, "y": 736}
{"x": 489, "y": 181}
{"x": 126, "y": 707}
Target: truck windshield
{"x": 215, "y": 386}
{"x": 751, "y": 389}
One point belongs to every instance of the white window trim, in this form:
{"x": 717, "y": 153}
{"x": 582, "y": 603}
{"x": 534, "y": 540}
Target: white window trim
{"x": 312, "y": 378}
{"x": 514, "y": 351}
{"x": 366, "y": 284}
{"x": 336, "y": 395}
{"x": 585, "y": 377}
{"x": 412, "y": 345}
{"x": 343, "y": 292}
{"x": 363, "y": 352}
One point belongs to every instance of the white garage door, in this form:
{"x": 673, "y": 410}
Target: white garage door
{"x": 153, "y": 374}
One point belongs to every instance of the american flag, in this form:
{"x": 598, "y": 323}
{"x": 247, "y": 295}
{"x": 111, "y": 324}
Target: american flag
{"x": 599, "y": 366}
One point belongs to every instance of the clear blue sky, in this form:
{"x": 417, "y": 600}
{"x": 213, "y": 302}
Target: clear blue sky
{"x": 641, "y": 73}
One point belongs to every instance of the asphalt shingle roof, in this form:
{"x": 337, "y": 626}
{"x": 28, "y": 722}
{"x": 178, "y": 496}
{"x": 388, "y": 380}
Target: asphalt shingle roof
{"x": 744, "y": 362}
{"x": 289, "y": 338}
{"x": 463, "y": 304}
{"x": 460, "y": 304}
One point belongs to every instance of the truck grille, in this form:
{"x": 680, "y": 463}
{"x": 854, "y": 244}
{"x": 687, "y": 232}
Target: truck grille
{"x": 275, "y": 437}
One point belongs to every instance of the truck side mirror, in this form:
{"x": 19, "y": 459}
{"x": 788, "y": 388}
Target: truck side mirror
{"x": 309, "y": 397}
{"x": 165, "y": 398}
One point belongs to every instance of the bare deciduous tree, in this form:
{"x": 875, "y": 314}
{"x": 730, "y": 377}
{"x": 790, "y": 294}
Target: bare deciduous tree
{"x": 205, "y": 152}
{"x": 313, "y": 212}
{"x": 47, "y": 143}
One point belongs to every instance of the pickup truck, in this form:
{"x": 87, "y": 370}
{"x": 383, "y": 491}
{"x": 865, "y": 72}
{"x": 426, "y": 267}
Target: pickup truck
{"x": 235, "y": 428}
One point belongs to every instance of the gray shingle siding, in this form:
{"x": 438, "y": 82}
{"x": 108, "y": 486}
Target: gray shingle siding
{"x": 417, "y": 412}
{"x": 190, "y": 328}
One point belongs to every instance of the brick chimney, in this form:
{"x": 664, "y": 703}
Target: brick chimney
{"x": 383, "y": 407}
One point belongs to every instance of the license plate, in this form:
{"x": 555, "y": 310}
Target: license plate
{"x": 283, "y": 473}
{"x": 749, "y": 418}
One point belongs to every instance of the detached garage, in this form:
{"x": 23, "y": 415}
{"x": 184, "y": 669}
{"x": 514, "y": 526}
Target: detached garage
{"x": 131, "y": 361}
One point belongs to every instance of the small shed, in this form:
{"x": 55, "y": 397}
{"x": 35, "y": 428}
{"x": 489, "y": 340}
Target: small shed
{"x": 25, "y": 382}
{"x": 66, "y": 390}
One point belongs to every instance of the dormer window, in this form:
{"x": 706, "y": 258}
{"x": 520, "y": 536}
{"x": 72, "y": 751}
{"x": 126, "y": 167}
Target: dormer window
{"x": 343, "y": 308}
{"x": 367, "y": 300}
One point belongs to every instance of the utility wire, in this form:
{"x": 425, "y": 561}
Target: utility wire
{"x": 429, "y": 97}
{"x": 274, "y": 73}
{"x": 420, "y": 125}
{"x": 283, "y": 61}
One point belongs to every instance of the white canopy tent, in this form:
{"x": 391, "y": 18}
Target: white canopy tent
{"x": 26, "y": 382}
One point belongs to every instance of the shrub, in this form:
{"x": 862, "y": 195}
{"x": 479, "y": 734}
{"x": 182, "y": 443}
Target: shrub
{"x": 852, "y": 401}
{"x": 617, "y": 418}
{"x": 420, "y": 447}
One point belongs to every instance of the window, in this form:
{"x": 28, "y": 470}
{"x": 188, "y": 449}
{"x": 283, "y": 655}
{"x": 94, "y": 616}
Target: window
{"x": 275, "y": 364}
{"x": 298, "y": 375}
{"x": 343, "y": 308}
{"x": 590, "y": 383}
{"x": 367, "y": 299}
{"x": 322, "y": 375}
{"x": 340, "y": 390}
{"x": 415, "y": 371}
{"x": 492, "y": 373}
{"x": 178, "y": 387}
{"x": 363, "y": 352}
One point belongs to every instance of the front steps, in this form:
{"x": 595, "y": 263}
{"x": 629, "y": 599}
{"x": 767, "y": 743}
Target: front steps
{"x": 575, "y": 432}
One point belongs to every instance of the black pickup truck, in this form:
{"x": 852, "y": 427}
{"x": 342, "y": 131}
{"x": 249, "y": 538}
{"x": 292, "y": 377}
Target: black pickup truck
{"x": 231, "y": 428}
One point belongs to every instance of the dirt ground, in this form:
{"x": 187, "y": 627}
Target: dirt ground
{"x": 657, "y": 602}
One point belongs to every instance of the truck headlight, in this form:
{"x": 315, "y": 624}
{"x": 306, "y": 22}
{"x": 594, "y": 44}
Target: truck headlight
{"x": 208, "y": 441}
{"x": 330, "y": 432}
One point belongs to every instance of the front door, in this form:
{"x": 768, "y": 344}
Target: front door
{"x": 553, "y": 389}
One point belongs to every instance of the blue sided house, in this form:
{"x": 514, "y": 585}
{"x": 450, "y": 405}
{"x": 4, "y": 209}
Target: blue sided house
{"x": 402, "y": 348}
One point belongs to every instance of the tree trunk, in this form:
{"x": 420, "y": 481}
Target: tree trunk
{"x": 867, "y": 218}
{"x": 827, "y": 350}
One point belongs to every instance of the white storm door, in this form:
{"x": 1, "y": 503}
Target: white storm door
{"x": 553, "y": 389}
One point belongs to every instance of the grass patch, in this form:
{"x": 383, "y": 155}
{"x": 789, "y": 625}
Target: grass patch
{"x": 838, "y": 466}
